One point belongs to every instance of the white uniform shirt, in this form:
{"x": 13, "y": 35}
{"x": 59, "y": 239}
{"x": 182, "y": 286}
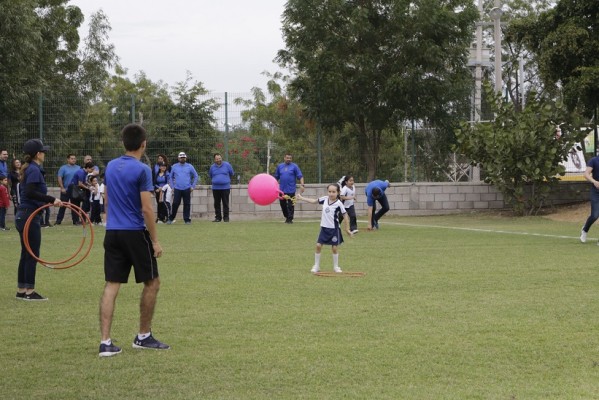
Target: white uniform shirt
{"x": 347, "y": 191}
{"x": 329, "y": 212}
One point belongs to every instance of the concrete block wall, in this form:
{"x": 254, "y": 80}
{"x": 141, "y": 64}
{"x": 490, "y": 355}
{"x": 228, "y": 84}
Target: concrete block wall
{"x": 404, "y": 199}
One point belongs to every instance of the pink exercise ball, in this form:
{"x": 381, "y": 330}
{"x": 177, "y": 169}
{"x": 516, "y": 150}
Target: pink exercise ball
{"x": 263, "y": 189}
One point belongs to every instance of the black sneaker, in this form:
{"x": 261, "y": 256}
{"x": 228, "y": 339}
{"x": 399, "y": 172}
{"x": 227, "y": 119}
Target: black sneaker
{"x": 149, "y": 343}
{"x": 109, "y": 350}
{"x": 34, "y": 296}
{"x": 20, "y": 296}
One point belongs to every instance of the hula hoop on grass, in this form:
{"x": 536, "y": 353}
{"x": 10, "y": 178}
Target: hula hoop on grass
{"x": 85, "y": 224}
{"x": 340, "y": 274}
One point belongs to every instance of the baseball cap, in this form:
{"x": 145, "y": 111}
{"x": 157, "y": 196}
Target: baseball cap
{"x": 182, "y": 154}
{"x": 32, "y": 146}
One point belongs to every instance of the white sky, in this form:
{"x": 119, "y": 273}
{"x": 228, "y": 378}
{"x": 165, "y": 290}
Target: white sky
{"x": 225, "y": 44}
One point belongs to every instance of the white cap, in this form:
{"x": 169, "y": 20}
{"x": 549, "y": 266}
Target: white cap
{"x": 182, "y": 154}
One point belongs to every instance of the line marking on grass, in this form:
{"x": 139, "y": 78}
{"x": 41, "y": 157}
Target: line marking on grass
{"x": 457, "y": 228}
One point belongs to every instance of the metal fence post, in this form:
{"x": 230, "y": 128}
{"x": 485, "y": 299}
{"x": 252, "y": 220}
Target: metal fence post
{"x": 40, "y": 106}
{"x": 226, "y": 127}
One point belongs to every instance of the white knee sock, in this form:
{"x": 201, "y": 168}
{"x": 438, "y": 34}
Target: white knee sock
{"x": 317, "y": 259}
{"x": 335, "y": 260}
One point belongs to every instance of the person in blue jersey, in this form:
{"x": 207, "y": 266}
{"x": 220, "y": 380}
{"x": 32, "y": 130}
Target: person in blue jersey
{"x": 375, "y": 191}
{"x": 80, "y": 181}
{"x": 330, "y": 231}
{"x": 287, "y": 173}
{"x": 131, "y": 239}
{"x": 591, "y": 174}
{"x": 183, "y": 180}
{"x": 65, "y": 176}
{"x": 221, "y": 173}
{"x": 4, "y": 162}
{"x": 33, "y": 193}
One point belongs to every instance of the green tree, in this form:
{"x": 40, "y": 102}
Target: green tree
{"x": 565, "y": 43}
{"x": 519, "y": 151}
{"x": 374, "y": 64}
{"x": 38, "y": 52}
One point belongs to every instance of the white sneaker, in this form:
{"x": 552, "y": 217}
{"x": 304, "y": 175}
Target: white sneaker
{"x": 583, "y": 236}
{"x": 354, "y": 231}
{"x": 315, "y": 269}
{"x": 337, "y": 270}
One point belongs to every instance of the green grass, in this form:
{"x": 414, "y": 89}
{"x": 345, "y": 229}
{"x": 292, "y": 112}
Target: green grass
{"x": 451, "y": 307}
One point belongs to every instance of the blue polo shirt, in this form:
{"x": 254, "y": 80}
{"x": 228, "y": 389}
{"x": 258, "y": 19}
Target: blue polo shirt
{"x": 33, "y": 174}
{"x": 287, "y": 175}
{"x": 375, "y": 184}
{"x": 221, "y": 175}
{"x": 67, "y": 172}
{"x": 183, "y": 176}
{"x": 125, "y": 179}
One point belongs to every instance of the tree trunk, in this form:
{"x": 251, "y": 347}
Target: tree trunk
{"x": 370, "y": 145}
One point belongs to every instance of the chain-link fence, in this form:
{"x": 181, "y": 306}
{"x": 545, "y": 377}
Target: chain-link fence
{"x": 213, "y": 123}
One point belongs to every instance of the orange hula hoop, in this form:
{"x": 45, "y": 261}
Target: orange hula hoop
{"x": 85, "y": 223}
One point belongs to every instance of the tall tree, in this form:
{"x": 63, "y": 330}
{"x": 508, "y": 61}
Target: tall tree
{"x": 375, "y": 63}
{"x": 565, "y": 42}
{"x": 38, "y": 51}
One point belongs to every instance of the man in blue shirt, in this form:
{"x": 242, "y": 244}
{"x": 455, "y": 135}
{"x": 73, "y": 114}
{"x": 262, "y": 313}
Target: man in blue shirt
{"x": 375, "y": 191}
{"x": 131, "y": 240}
{"x": 4, "y": 162}
{"x": 183, "y": 180}
{"x": 287, "y": 174}
{"x": 221, "y": 173}
{"x": 65, "y": 176}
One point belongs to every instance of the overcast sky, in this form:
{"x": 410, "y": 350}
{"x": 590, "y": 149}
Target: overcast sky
{"x": 226, "y": 44}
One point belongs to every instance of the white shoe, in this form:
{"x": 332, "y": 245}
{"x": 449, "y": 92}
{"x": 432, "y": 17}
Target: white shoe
{"x": 315, "y": 269}
{"x": 337, "y": 270}
{"x": 354, "y": 231}
{"x": 583, "y": 236}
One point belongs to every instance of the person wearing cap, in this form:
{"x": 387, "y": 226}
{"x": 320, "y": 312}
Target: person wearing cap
{"x": 33, "y": 195}
{"x": 183, "y": 180}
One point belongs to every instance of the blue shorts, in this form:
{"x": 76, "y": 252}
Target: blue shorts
{"x": 330, "y": 236}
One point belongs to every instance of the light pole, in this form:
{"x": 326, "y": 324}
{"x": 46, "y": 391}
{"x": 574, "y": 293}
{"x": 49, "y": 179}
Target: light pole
{"x": 495, "y": 15}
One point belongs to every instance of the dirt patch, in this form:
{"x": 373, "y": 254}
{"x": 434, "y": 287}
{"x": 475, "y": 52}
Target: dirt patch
{"x": 570, "y": 213}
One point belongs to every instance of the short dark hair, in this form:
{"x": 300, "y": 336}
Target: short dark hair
{"x": 89, "y": 165}
{"x": 133, "y": 136}
{"x": 2, "y": 177}
{"x": 376, "y": 192}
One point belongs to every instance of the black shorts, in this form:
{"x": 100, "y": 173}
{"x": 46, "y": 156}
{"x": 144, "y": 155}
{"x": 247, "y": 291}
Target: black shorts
{"x": 126, "y": 249}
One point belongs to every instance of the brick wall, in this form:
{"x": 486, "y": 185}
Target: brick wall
{"x": 404, "y": 199}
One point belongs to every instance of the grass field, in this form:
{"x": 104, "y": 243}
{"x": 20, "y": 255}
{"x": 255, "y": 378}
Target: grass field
{"x": 451, "y": 307}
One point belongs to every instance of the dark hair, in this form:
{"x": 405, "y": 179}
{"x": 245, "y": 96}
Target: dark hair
{"x": 216, "y": 154}
{"x": 24, "y": 165}
{"x": 133, "y": 136}
{"x": 338, "y": 189}
{"x": 88, "y": 165}
{"x": 376, "y": 192}
{"x": 12, "y": 164}
{"x": 71, "y": 154}
{"x": 165, "y": 158}
{"x": 2, "y": 177}
{"x": 343, "y": 181}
